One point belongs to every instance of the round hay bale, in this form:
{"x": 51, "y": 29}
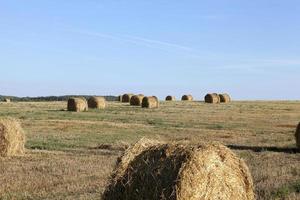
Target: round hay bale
{"x": 129, "y": 154}
{"x": 97, "y": 102}
{"x": 150, "y": 102}
{"x": 7, "y": 100}
{"x": 136, "y": 100}
{"x": 172, "y": 171}
{"x": 187, "y": 98}
{"x": 77, "y": 104}
{"x": 297, "y": 135}
{"x": 224, "y": 98}
{"x": 170, "y": 98}
{"x": 12, "y": 138}
{"x": 119, "y": 98}
{"x": 126, "y": 98}
{"x": 212, "y": 98}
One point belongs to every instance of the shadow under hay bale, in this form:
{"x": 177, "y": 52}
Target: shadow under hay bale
{"x": 12, "y": 138}
{"x": 97, "y": 102}
{"x": 150, "y": 102}
{"x": 170, "y": 98}
{"x": 187, "y": 98}
{"x": 212, "y": 98}
{"x": 77, "y": 104}
{"x": 297, "y": 135}
{"x": 224, "y": 98}
{"x": 126, "y": 98}
{"x": 136, "y": 100}
{"x": 173, "y": 171}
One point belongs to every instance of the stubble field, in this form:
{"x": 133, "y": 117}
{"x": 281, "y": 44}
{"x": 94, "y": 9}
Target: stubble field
{"x": 71, "y": 155}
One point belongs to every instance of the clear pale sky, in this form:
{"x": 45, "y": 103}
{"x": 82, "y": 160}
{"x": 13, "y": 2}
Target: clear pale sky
{"x": 250, "y": 49}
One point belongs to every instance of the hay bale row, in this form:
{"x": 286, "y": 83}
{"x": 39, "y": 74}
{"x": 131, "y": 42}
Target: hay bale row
{"x": 170, "y": 98}
{"x": 173, "y": 171}
{"x": 136, "y": 100}
{"x": 150, "y": 102}
{"x": 12, "y": 138}
{"x": 187, "y": 98}
{"x": 77, "y": 104}
{"x": 217, "y": 98}
{"x": 97, "y": 102}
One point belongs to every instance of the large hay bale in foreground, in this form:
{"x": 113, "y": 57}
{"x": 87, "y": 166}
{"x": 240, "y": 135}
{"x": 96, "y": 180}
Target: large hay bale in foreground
{"x": 12, "y": 138}
{"x": 297, "y": 135}
{"x": 224, "y": 98}
{"x": 212, "y": 98}
{"x": 173, "y": 172}
{"x": 77, "y": 104}
{"x": 97, "y": 102}
{"x": 150, "y": 102}
{"x": 136, "y": 100}
{"x": 187, "y": 98}
{"x": 126, "y": 98}
{"x": 170, "y": 98}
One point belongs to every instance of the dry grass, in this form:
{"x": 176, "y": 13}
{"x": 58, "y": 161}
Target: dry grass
{"x": 70, "y": 155}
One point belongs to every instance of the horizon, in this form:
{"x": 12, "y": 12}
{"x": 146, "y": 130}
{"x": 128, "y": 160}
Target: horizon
{"x": 249, "y": 50}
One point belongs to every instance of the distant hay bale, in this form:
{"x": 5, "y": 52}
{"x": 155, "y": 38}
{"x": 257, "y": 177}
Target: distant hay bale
{"x": 12, "y": 138}
{"x": 77, "y": 104}
{"x": 150, "y": 102}
{"x": 170, "y": 98}
{"x": 136, "y": 100}
{"x": 7, "y": 100}
{"x": 187, "y": 98}
{"x": 97, "y": 102}
{"x": 224, "y": 98}
{"x": 212, "y": 98}
{"x": 297, "y": 135}
{"x": 119, "y": 98}
{"x": 173, "y": 172}
{"x": 126, "y": 98}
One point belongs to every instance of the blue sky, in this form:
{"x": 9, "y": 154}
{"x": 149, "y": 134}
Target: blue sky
{"x": 250, "y": 49}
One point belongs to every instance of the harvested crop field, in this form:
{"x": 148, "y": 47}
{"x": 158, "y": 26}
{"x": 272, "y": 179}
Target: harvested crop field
{"x": 70, "y": 155}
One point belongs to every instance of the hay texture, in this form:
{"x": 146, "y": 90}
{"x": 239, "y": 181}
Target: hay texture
{"x": 224, "y": 98}
{"x": 187, "y": 98}
{"x": 212, "y": 98}
{"x": 178, "y": 172}
{"x": 170, "y": 98}
{"x": 126, "y": 98}
{"x": 297, "y": 135}
{"x": 150, "y": 102}
{"x": 77, "y": 104}
{"x": 7, "y": 100}
{"x": 12, "y": 138}
{"x": 97, "y": 102}
{"x": 136, "y": 100}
